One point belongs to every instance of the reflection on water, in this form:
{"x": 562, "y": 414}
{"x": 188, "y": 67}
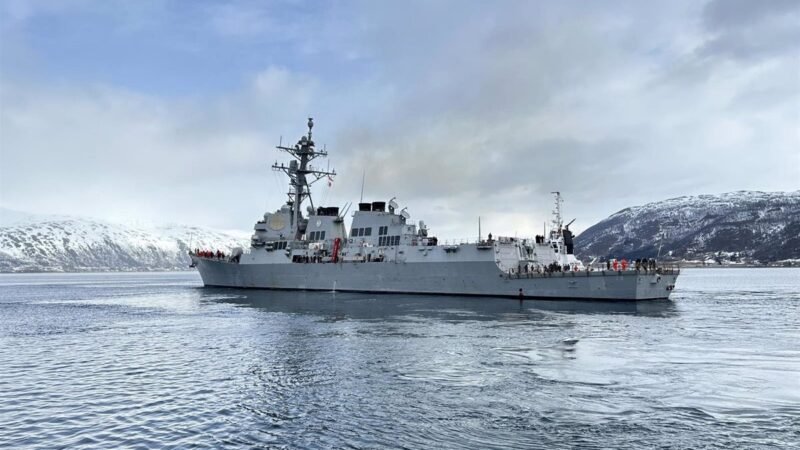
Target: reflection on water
{"x": 382, "y": 306}
{"x": 120, "y": 360}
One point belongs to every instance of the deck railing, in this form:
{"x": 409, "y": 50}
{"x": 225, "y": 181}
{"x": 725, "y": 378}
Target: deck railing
{"x": 595, "y": 270}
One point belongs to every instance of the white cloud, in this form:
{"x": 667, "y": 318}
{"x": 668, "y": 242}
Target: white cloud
{"x": 457, "y": 111}
{"x": 106, "y": 152}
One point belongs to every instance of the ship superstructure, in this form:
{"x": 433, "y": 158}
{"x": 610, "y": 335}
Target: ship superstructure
{"x": 385, "y": 252}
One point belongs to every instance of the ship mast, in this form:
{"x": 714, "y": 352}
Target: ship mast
{"x": 301, "y": 176}
{"x": 557, "y": 220}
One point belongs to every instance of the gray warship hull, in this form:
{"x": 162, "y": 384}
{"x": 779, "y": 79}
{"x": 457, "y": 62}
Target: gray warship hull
{"x": 474, "y": 278}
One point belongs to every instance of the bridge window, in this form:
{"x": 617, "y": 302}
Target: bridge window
{"x": 359, "y": 232}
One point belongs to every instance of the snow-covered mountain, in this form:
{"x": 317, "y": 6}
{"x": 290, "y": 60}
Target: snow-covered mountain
{"x": 32, "y": 243}
{"x": 744, "y": 225}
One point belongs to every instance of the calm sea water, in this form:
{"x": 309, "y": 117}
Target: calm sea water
{"x": 154, "y": 360}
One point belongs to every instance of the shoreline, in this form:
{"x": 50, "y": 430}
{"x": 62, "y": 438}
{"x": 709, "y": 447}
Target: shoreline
{"x": 112, "y": 271}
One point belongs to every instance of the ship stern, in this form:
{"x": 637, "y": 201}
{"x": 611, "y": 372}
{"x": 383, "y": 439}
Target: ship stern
{"x": 656, "y": 286}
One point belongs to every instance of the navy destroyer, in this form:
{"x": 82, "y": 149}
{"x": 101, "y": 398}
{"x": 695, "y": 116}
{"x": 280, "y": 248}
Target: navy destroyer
{"x": 384, "y": 252}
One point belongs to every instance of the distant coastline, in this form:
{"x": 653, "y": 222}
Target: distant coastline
{"x": 749, "y": 229}
{"x": 684, "y": 265}
{"x": 98, "y": 270}
{"x": 776, "y": 265}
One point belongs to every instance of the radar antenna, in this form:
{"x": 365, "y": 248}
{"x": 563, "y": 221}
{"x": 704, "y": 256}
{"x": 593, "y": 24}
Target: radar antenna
{"x": 301, "y": 174}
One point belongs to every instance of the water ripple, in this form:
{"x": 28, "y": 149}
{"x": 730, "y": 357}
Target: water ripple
{"x": 151, "y": 361}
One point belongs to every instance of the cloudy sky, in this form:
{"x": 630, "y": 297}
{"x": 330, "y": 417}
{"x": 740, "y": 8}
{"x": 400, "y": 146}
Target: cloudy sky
{"x": 168, "y": 111}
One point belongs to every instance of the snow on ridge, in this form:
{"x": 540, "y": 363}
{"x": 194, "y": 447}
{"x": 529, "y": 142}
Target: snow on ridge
{"x": 751, "y": 223}
{"x": 707, "y": 200}
{"x": 11, "y": 217}
{"x": 48, "y": 243}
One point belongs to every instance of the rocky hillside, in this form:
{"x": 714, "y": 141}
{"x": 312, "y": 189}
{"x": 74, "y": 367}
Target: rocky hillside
{"x": 31, "y": 243}
{"x": 737, "y": 226}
